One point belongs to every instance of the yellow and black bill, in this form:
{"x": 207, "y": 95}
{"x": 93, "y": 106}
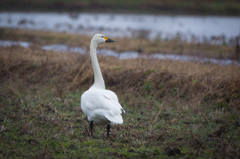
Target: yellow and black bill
{"x": 108, "y": 40}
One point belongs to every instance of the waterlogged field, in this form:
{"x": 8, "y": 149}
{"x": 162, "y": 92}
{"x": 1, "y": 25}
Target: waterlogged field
{"x": 140, "y": 45}
{"x": 173, "y": 109}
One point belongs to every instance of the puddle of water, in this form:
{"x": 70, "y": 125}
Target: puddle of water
{"x": 123, "y": 55}
{"x": 199, "y": 28}
{"x": 6, "y": 43}
{"x": 64, "y": 48}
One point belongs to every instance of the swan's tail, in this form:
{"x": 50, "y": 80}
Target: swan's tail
{"x": 114, "y": 118}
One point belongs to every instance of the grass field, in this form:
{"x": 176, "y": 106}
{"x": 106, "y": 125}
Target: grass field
{"x": 173, "y": 109}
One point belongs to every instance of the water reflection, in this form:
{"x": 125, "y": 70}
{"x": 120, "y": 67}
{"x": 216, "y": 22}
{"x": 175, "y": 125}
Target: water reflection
{"x": 198, "y": 28}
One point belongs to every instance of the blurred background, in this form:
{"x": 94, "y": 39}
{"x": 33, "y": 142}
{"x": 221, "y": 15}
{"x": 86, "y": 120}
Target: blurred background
{"x": 218, "y": 7}
{"x": 186, "y": 20}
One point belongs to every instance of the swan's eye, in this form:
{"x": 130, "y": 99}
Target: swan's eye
{"x": 102, "y": 36}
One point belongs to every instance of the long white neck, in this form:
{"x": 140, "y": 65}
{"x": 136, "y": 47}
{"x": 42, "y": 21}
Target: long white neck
{"x": 98, "y": 78}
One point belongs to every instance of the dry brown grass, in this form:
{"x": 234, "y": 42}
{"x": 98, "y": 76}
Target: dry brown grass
{"x": 162, "y": 79}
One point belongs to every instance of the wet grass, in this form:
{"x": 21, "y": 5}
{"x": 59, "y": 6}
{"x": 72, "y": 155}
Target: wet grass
{"x": 173, "y": 109}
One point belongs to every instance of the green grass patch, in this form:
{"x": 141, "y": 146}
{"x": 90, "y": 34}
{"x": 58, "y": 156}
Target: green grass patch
{"x": 38, "y": 123}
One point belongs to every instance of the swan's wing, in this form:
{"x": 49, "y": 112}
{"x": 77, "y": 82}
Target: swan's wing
{"x": 111, "y": 95}
{"x": 100, "y": 103}
{"x": 109, "y": 99}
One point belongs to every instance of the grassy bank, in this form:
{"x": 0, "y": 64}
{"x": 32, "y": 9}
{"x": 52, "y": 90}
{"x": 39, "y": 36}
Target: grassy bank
{"x": 217, "y": 7}
{"x": 173, "y": 109}
{"x": 39, "y": 38}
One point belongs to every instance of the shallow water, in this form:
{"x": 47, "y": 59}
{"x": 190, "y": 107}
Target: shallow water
{"x": 123, "y": 55}
{"x": 197, "y": 28}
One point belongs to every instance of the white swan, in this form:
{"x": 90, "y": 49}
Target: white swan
{"x": 100, "y": 105}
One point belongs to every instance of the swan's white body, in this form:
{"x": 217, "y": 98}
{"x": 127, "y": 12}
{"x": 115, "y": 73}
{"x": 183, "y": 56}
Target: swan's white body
{"x": 100, "y": 105}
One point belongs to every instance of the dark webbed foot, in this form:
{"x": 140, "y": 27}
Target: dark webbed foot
{"x": 108, "y": 130}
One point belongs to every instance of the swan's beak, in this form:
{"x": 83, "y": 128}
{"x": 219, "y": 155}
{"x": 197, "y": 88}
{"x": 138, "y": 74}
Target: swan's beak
{"x": 108, "y": 40}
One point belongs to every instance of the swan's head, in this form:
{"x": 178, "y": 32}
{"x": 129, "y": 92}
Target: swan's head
{"x": 100, "y": 38}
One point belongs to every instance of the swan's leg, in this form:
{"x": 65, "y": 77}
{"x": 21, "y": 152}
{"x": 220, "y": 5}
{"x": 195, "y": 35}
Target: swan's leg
{"x": 91, "y": 127}
{"x": 108, "y": 129}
